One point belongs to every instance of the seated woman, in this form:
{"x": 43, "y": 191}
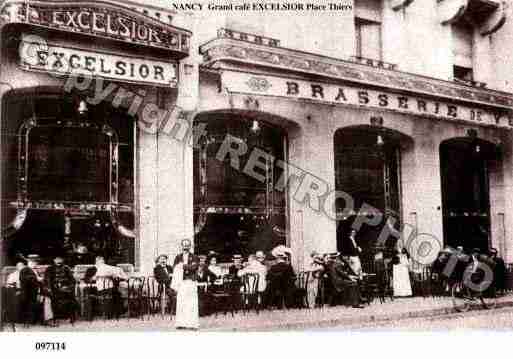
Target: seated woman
{"x": 214, "y": 268}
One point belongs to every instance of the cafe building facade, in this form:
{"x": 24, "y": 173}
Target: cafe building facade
{"x": 271, "y": 144}
{"x": 78, "y": 175}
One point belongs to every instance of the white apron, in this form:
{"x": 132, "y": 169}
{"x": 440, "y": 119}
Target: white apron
{"x": 187, "y": 312}
{"x": 401, "y": 279}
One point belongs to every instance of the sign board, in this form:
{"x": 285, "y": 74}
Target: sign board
{"x": 105, "y": 20}
{"x": 359, "y": 97}
{"x": 70, "y": 61}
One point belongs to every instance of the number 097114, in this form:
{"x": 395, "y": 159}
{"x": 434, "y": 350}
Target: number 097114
{"x": 50, "y": 346}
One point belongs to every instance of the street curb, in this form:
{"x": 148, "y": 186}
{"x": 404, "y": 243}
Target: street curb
{"x": 356, "y": 320}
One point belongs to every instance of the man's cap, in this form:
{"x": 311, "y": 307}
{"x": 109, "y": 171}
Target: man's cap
{"x": 237, "y": 256}
{"x": 33, "y": 257}
{"x": 260, "y": 254}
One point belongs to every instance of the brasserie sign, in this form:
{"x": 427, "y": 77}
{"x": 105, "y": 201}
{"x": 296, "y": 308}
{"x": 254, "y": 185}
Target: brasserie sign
{"x": 70, "y": 61}
{"x": 237, "y": 82}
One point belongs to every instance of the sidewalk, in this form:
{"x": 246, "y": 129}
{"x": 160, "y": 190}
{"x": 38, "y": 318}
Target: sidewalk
{"x": 294, "y": 319}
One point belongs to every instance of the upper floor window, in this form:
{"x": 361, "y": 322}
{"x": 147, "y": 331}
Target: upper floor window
{"x": 368, "y": 29}
{"x": 463, "y": 43}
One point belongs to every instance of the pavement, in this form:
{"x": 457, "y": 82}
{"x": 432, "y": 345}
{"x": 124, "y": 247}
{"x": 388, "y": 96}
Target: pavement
{"x": 292, "y": 319}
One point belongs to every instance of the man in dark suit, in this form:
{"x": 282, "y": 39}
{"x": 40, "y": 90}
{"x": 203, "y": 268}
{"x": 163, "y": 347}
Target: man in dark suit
{"x": 205, "y": 279}
{"x": 281, "y": 282}
{"x": 60, "y": 282}
{"x": 343, "y": 281}
{"x": 163, "y": 273}
{"x": 31, "y": 285}
{"x": 499, "y": 272}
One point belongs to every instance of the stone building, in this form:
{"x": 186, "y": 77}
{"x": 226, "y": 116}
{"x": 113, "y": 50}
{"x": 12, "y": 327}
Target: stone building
{"x": 249, "y": 129}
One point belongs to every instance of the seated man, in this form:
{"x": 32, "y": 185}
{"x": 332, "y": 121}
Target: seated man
{"x": 61, "y": 285}
{"x": 281, "y": 282}
{"x": 163, "y": 274}
{"x": 31, "y": 284}
{"x": 205, "y": 279}
{"x": 342, "y": 281}
{"x": 234, "y": 269}
{"x": 105, "y": 280}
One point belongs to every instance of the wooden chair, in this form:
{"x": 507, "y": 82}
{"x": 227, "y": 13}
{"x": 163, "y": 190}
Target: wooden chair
{"x": 100, "y": 298}
{"x": 250, "y": 296}
{"x": 224, "y": 297}
{"x": 302, "y": 289}
{"x": 135, "y": 301}
{"x": 152, "y": 296}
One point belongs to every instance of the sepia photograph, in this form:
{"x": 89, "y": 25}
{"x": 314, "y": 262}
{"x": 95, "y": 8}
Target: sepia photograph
{"x": 255, "y": 166}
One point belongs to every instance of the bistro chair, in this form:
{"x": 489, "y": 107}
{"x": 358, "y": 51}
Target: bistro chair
{"x": 250, "y": 295}
{"x": 135, "y": 301}
{"x": 224, "y": 297}
{"x": 151, "y": 297}
{"x": 100, "y": 298}
{"x": 302, "y": 289}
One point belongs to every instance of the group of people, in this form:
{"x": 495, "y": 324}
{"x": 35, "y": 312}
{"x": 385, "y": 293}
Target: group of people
{"x": 190, "y": 279}
{"x": 181, "y": 280}
{"x": 33, "y": 297}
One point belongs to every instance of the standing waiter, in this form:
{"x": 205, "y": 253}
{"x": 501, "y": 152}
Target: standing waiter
{"x": 185, "y": 281}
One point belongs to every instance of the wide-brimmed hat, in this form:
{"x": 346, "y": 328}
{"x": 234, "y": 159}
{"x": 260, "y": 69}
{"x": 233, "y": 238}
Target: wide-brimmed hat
{"x": 237, "y": 256}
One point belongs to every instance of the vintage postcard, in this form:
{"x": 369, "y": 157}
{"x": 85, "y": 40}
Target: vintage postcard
{"x": 252, "y": 165}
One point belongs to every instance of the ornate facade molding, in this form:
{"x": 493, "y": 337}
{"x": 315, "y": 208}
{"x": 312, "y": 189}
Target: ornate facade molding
{"x": 495, "y": 21}
{"x": 489, "y": 16}
{"x": 102, "y": 19}
{"x": 223, "y": 50}
{"x": 451, "y": 11}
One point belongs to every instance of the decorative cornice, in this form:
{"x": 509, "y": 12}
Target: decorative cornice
{"x": 450, "y": 11}
{"x": 218, "y": 51}
{"x": 112, "y": 20}
{"x": 400, "y": 4}
{"x": 495, "y": 21}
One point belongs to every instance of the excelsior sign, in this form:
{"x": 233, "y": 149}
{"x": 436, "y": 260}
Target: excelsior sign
{"x": 69, "y": 61}
{"x": 361, "y": 97}
{"x": 99, "y": 19}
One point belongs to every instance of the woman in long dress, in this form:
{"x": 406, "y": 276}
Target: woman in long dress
{"x": 185, "y": 283}
{"x": 401, "y": 275}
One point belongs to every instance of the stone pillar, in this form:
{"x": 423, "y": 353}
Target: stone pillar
{"x": 423, "y": 199}
{"x": 312, "y": 151}
{"x": 146, "y": 200}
